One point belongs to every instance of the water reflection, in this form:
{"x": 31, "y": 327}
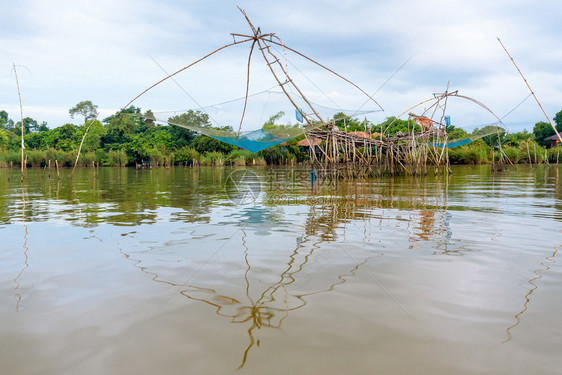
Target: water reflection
{"x": 256, "y": 305}
{"x": 18, "y": 295}
{"x": 295, "y": 242}
{"x": 539, "y": 273}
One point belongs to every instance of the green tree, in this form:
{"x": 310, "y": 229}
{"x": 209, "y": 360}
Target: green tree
{"x": 121, "y": 127}
{"x": 4, "y": 139}
{"x": 456, "y": 133}
{"x": 93, "y": 140}
{"x": 392, "y": 126}
{"x": 66, "y": 138}
{"x": 3, "y": 119}
{"x": 43, "y": 127}
{"x": 35, "y": 140}
{"x": 203, "y": 144}
{"x": 344, "y": 122}
{"x": 29, "y": 125}
{"x": 541, "y": 131}
{"x": 194, "y": 119}
{"x": 558, "y": 121}
{"x": 515, "y": 139}
{"x": 85, "y": 108}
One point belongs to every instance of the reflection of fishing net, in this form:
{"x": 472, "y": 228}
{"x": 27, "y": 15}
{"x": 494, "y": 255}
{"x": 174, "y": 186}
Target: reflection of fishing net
{"x": 475, "y": 135}
{"x": 272, "y": 116}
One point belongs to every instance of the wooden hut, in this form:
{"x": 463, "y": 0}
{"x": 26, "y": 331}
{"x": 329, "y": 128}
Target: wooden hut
{"x": 553, "y": 139}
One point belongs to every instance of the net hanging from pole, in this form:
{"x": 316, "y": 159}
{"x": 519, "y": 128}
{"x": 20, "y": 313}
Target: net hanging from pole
{"x": 475, "y": 135}
{"x": 268, "y": 107}
{"x": 296, "y": 116}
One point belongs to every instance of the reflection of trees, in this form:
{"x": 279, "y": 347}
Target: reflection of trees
{"x": 121, "y": 196}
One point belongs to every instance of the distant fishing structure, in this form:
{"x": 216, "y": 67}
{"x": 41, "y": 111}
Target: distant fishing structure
{"x": 257, "y": 140}
{"x": 411, "y": 152}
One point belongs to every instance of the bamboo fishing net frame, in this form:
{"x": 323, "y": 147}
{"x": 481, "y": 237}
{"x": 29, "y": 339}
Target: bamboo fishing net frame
{"x": 263, "y": 40}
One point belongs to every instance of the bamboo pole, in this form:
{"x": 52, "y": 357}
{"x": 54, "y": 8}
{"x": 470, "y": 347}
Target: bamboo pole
{"x": 21, "y": 112}
{"x": 532, "y": 92}
{"x": 247, "y": 86}
{"x": 81, "y": 143}
{"x": 184, "y": 68}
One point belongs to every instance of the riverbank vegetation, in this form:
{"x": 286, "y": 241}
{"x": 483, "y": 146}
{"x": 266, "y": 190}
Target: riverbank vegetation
{"x": 126, "y": 139}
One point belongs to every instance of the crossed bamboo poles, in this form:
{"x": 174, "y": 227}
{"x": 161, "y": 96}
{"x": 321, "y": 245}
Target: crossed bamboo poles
{"x": 280, "y": 72}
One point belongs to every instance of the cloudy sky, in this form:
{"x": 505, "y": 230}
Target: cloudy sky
{"x": 108, "y": 51}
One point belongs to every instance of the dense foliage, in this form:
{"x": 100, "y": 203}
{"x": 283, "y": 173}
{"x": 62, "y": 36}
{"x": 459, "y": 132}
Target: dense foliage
{"x": 128, "y": 138}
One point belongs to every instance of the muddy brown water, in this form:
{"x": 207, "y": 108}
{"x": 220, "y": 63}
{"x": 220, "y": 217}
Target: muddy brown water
{"x": 220, "y": 270}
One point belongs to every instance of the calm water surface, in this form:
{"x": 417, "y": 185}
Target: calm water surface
{"x": 195, "y": 271}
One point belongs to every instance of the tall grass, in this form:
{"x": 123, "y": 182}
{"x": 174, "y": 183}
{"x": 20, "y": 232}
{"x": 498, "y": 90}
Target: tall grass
{"x": 214, "y": 158}
{"x": 470, "y": 154}
{"x": 186, "y": 155}
{"x": 117, "y": 158}
{"x": 554, "y": 155}
{"x": 240, "y": 157}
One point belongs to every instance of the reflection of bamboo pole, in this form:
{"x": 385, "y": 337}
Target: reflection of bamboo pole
{"x": 16, "y": 280}
{"x": 538, "y": 275}
{"x": 530, "y": 89}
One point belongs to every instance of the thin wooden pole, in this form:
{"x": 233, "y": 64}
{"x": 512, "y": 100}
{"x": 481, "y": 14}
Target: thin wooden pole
{"x": 81, "y": 143}
{"x": 184, "y": 68}
{"x": 247, "y": 86}
{"x": 21, "y": 112}
{"x": 532, "y": 92}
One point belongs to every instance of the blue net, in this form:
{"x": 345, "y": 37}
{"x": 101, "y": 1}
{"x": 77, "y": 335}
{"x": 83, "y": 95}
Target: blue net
{"x": 222, "y": 119}
{"x": 476, "y": 134}
{"x": 253, "y": 141}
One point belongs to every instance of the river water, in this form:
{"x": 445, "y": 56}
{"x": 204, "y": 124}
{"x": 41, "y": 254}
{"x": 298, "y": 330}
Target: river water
{"x": 261, "y": 271}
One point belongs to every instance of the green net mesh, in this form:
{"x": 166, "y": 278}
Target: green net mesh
{"x": 274, "y": 119}
{"x": 476, "y": 134}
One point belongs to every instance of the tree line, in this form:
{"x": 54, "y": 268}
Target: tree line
{"x": 130, "y": 137}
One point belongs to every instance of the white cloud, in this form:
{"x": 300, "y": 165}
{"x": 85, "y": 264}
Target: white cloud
{"x": 97, "y": 50}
